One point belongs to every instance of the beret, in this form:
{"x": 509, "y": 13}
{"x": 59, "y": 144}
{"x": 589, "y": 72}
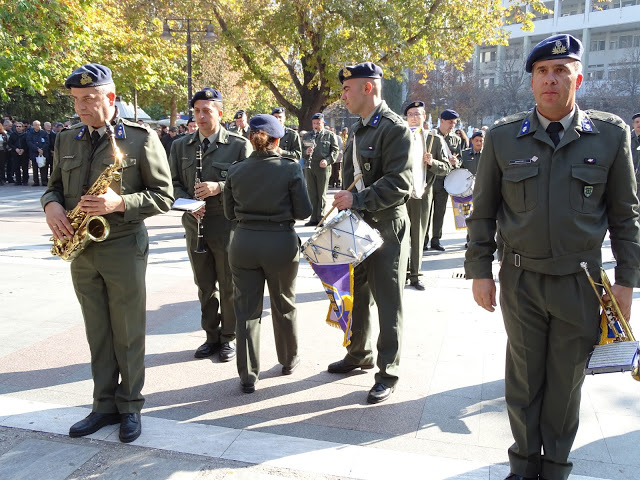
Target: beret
{"x": 277, "y": 110}
{"x": 449, "y": 114}
{"x": 479, "y": 133}
{"x": 556, "y": 46}
{"x": 268, "y": 124}
{"x": 361, "y": 70}
{"x": 635, "y": 116}
{"x": 206, "y": 93}
{"x": 90, "y": 75}
{"x": 317, "y": 116}
{"x": 413, "y": 105}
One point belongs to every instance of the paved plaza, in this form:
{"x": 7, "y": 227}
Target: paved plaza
{"x": 446, "y": 420}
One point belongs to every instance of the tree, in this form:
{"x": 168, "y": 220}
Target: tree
{"x": 295, "y": 48}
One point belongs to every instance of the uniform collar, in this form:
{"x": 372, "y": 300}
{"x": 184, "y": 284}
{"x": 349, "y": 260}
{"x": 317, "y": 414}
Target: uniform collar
{"x": 373, "y": 119}
{"x": 565, "y": 121}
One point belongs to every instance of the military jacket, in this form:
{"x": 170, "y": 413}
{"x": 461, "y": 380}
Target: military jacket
{"x": 555, "y": 204}
{"x": 470, "y": 160}
{"x": 243, "y": 132}
{"x": 266, "y": 189}
{"x": 290, "y": 144}
{"x": 216, "y": 161}
{"x": 454, "y": 143}
{"x": 145, "y": 184}
{"x": 383, "y": 154}
{"x": 441, "y": 165}
{"x": 326, "y": 147}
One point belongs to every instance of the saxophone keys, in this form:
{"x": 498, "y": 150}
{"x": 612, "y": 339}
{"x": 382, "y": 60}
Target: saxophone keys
{"x": 117, "y": 176}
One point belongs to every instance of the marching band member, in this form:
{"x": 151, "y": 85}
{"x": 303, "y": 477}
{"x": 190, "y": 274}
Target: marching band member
{"x": 109, "y": 277}
{"x": 426, "y": 166}
{"x": 264, "y": 196}
{"x": 219, "y": 149}
{"x": 555, "y": 178}
{"x": 378, "y": 147}
{"x": 290, "y": 145}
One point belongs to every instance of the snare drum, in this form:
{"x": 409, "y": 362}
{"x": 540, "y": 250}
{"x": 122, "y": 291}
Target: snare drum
{"x": 459, "y": 183}
{"x": 346, "y": 238}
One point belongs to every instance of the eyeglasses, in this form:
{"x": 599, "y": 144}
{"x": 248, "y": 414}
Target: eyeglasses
{"x": 414, "y": 114}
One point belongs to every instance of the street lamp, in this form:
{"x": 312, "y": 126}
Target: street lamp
{"x": 184, "y": 26}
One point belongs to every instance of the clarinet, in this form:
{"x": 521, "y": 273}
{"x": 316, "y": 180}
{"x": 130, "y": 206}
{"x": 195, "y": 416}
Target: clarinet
{"x": 200, "y": 246}
{"x": 313, "y": 147}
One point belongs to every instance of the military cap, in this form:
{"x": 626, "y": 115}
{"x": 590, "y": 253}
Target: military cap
{"x": 479, "y": 133}
{"x": 317, "y": 116}
{"x": 90, "y": 75}
{"x": 417, "y": 104}
{"x": 206, "y": 93}
{"x": 268, "y": 124}
{"x": 361, "y": 70}
{"x": 449, "y": 114}
{"x": 635, "y": 116}
{"x": 239, "y": 114}
{"x": 59, "y": 124}
{"x": 556, "y": 46}
{"x": 277, "y": 110}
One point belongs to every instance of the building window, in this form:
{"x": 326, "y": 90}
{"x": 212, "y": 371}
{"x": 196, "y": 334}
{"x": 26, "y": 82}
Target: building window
{"x": 596, "y": 75}
{"x": 597, "y": 45}
{"x": 625, "y": 41}
{"x": 488, "y": 56}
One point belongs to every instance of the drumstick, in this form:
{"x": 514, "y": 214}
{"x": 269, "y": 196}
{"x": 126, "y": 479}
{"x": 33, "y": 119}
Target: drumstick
{"x": 356, "y": 180}
{"x": 433, "y": 134}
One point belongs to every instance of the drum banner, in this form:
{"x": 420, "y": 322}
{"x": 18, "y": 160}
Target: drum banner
{"x": 462, "y": 208}
{"x": 337, "y": 280}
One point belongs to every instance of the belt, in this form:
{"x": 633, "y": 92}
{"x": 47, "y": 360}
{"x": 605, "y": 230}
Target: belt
{"x": 564, "y": 265}
{"x": 264, "y": 225}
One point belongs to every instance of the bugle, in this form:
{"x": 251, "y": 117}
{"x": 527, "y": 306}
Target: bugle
{"x": 617, "y": 350}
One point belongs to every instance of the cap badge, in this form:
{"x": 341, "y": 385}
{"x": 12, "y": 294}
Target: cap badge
{"x": 85, "y": 79}
{"x": 346, "y": 73}
{"x": 416, "y": 104}
{"x": 209, "y": 94}
{"x": 559, "y": 48}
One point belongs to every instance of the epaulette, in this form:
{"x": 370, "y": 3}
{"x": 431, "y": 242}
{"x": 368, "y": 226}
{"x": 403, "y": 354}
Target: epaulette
{"x": 129, "y": 123}
{"x": 605, "y": 117}
{"x": 516, "y": 117}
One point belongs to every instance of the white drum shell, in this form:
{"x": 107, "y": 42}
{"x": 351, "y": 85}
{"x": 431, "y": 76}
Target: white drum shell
{"x": 346, "y": 238}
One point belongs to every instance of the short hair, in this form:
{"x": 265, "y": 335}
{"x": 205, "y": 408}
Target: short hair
{"x": 106, "y": 88}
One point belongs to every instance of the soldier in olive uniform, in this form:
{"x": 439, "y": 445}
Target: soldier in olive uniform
{"x": 320, "y": 153}
{"x": 219, "y": 149}
{"x": 109, "y": 277}
{"x": 241, "y": 127}
{"x": 429, "y": 160}
{"x": 635, "y": 145}
{"x": 290, "y": 145}
{"x": 471, "y": 156}
{"x": 265, "y": 195}
{"x": 382, "y": 143}
{"x": 448, "y": 120}
{"x": 555, "y": 178}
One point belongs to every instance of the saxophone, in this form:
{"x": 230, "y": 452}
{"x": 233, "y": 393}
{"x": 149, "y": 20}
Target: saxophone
{"x": 89, "y": 228}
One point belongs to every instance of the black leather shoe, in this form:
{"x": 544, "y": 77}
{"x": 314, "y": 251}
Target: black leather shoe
{"x": 289, "y": 370}
{"x": 343, "y": 367}
{"x": 227, "y": 351}
{"x": 437, "y": 246}
{"x": 206, "y": 350}
{"x": 130, "y": 427}
{"x": 417, "y": 284}
{"x": 248, "y": 387}
{"x": 513, "y": 476}
{"x": 92, "y": 423}
{"x": 379, "y": 393}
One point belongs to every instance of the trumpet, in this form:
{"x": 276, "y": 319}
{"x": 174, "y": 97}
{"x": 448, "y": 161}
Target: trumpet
{"x": 618, "y": 349}
{"x": 200, "y": 246}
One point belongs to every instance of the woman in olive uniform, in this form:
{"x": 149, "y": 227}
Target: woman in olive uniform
{"x": 264, "y": 195}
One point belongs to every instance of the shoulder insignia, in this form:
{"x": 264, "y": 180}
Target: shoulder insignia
{"x": 586, "y": 125}
{"x": 81, "y": 133}
{"x": 516, "y": 117}
{"x": 120, "y": 131}
{"x": 375, "y": 120}
{"x": 603, "y": 117}
{"x": 526, "y": 125}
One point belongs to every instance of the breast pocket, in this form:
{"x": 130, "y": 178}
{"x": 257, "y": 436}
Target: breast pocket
{"x": 520, "y": 188}
{"x": 371, "y": 166}
{"x": 587, "y": 187}
{"x": 125, "y": 179}
{"x": 72, "y": 180}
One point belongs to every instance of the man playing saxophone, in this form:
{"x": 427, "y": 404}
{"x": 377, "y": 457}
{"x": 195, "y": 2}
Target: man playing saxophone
{"x": 109, "y": 277}
{"x": 211, "y": 271}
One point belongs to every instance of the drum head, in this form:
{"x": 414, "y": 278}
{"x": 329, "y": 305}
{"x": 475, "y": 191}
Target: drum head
{"x": 459, "y": 183}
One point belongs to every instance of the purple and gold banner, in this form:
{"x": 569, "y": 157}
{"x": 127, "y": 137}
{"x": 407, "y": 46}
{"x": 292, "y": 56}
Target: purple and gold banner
{"x": 337, "y": 280}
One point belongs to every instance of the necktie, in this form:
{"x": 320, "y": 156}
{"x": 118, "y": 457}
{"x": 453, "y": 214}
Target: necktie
{"x": 95, "y": 138}
{"x": 205, "y": 145}
{"x": 554, "y": 130}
